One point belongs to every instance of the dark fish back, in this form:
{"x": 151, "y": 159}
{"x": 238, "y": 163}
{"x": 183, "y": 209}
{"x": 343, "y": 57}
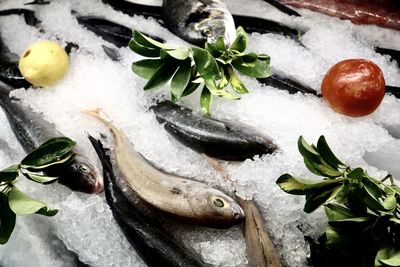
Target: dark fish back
{"x": 28, "y": 126}
{"x": 154, "y": 246}
{"x": 215, "y": 138}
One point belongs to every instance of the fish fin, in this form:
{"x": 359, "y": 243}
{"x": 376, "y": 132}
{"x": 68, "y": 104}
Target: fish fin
{"x": 101, "y": 152}
{"x": 96, "y": 113}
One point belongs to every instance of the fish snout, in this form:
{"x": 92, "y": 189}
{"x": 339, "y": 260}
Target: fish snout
{"x": 238, "y": 213}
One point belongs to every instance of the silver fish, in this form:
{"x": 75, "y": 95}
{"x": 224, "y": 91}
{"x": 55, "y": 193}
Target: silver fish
{"x": 175, "y": 195}
{"x": 199, "y": 21}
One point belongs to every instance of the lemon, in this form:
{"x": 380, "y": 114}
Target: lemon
{"x": 44, "y": 63}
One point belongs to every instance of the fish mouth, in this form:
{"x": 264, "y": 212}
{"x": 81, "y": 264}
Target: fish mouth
{"x": 99, "y": 186}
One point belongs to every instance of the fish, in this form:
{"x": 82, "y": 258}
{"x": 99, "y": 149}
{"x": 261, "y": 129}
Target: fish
{"x": 29, "y": 15}
{"x": 290, "y": 85}
{"x": 283, "y": 8}
{"x": 215, "y": 138}
{"x": 145, "y": 235}
{"x": 260, "y": 249}
{"x": 384, "y": 13}
{"x": 199, "y": 21}
{"x": 160, "y": 14}
{"x": 184, "y": 198}
{"x": 32, "y": 130}
{"x": 112, "y": 32}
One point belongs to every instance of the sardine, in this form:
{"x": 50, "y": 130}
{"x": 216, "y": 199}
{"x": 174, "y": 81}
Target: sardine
{"x": 215, "y": 138}
{"x": 112, "y": 32}
{"x": 153, "y": 245}
{"x": 182, "y": 197}
{"x": 287, "y": 84}
{"x": 283, "y": 8}
{"x": 32, "y": 130}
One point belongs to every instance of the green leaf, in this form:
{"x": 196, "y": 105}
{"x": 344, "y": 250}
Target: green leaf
{"x": 265, "y": 58}
{"x": 394, "y": 260}
{"x": 333, "y": 238}
{"x": 307, "y": 151}
{"x": 52, "y": 151}
{"x": 148, "y": 42}
{"x": 384, "y": 253}
{"x": 206, "y": 64}
{"x": 240, "y": 43}
{"x": 321, "y": 196}
{"x": 237, "y": 85}
{"x": 256, "y": 69}
{"x": 336, "y": 212}
{"x": 357, "y": 174}
{"x": 220, "y": 44}
{"x": 250, "y": 58}
{"x": 355, "y": 222}
{"x": 21, "y": 204}
{"x": 180, "y": 53}
{"x": 181, "y": 79}
{"x": 143, "y": 50}
{"x": 146, "y": 68}
{"x": 190, "y": 88}
{"x": 9, "y": 174}
{"x": 297, "y": 186}
{"x": 213, "y": 50}
{"x": 224, "y": 79}
{"x": 39, "y": 177}
{"x": 219, "y": 92}
{"x": 205, "y": 100}
{"x": 327, "y": 154}
{"x": 61, "y": 160}
{"x": 7, "y": 219}
{"x": 162, "y": 75}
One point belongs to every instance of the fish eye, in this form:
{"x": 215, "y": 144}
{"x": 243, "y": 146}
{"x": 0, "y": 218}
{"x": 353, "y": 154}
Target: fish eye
{"x": 219, "y": 203}
{"x": 84, "y": 168}
{"x": 207, "y": 32}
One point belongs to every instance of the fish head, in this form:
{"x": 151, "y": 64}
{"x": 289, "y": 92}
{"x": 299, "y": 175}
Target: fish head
{"x": 208, "y": 24}
{"x": 80, "y": 175}
{"x": 216, "y": 208}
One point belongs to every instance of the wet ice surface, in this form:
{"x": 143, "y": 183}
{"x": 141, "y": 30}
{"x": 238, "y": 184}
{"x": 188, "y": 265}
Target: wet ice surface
{"x": 85, "y": 224}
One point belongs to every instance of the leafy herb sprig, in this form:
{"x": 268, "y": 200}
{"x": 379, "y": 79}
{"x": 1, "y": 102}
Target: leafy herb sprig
{"x": 54, "y": 152}
{"x": 189, "y": 68}
{"x": 363, "y": 212}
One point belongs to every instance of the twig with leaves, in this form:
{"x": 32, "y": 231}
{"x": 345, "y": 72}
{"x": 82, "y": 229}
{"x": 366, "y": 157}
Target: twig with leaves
{"x": 363, "y": 212}
{"x": 53, "y": 153}
{"x": 190, "y": 67}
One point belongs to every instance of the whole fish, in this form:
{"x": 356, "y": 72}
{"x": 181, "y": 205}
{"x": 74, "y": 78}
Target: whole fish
{"x": 182, "y": 197}
{"x": 153, "y": 245}
{"x": 215, "y": 138}
{"x": 32, "y": 130}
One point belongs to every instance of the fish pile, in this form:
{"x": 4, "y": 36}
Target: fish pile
{"x": 269, "y": 120}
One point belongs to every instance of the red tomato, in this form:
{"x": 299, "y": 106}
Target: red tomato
{"x": 354, "y": 87}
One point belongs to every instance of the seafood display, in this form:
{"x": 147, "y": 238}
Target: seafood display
{"x": 165, "y": 203}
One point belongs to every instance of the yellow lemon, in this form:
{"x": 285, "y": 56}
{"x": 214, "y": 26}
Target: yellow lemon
{"x": 44, "y": 63}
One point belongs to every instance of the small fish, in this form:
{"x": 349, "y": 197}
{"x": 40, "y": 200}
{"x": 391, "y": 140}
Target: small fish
{"x": 112, "y": 32}
{"x": 283, "y": 8}
{"x": 260, "y": 249}
{"x": 215, "y": 138}
{"x": 146, "y": 236}
{"x": 32, "y": 130}
{"x": 182, "y": 197}
{"x": 287, "y": 84}
{"x": 199, "y": 21}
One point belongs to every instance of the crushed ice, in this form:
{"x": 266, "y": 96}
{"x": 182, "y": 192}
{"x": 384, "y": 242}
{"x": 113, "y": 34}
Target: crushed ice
{"x": 85, "y": 228}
